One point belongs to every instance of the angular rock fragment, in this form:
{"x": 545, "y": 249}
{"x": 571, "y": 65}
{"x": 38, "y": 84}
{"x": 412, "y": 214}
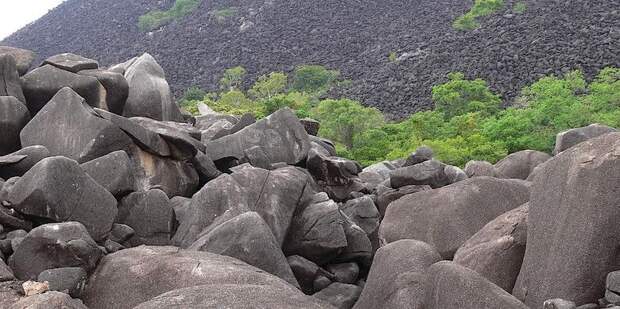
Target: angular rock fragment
{"x": 67, "y": 127}
{"x": 71, "y": 280}
{"x": 150, "y": 215}
{"x": 340, "y": 295}
{"x": 41, "y": 84}
{"x": 363, "y": 212}
{"x": 431, "y": 172}
{"x": 68, "y": 194}
{"x": 16, "y": 164}
{"x": 112, "y": 171}
{"x": 389, "y": 195}
{"x": 23, "y": 58}
{"x": 480, "y": 168}
{"x": 572, "y": 137}
{"x": 13, "y": 118}
{"x": 71, "y": 62}
{"x": 338, "y": 176}
{"x": 10, "y": 84}
{"x": 54, "y": 245}
{"x": 248, "y": 238}
{"x": 422, "y": 154}
{"x": 182, "y": 145}
{"x": 116, "y": 87}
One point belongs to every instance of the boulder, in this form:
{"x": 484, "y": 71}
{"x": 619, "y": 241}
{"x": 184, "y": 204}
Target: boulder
{"x": 18, "y": 163}
{"x": 146, "y": 139}
{"x": 359, "y": 247}
{"x": 461, "y": 210}
{"x": 129, "y": 277}
{"x": 41, "y": 84}
{"x": 344, "y": 272}
{"x": 571, "y": 223}
{"x": 71, "y": 62}
{"x": 6, "y": 274}
{"x": 149, "y": 92}
{"x": 572, "y": 137}
{"x": 150, "y": 215}
{"x": 48, "y": 300}
{"x": 150, "y": 171}
{"x": 68, "y": 127}
{"x": 209, "y": 134}
{"x": 317, "y": 233}
{"x": 182, "y": 145}
{"x": 306, "y": 272}
{"x": 23, "y": 58}
{"x": 520, "y": 164}
{"x": 68, "y": 194}
{"x": 10, "y": 84}
{"x": 13, "y": 118}
{"x": 496, "y": 251}
{"x": 9, "y": 218}
{"x": 397, "y": 276}
{"x": 204, "y": 122}
{"x": 340, "y": 295}
{"x": 612, "y": 287}
{"x": 430, "y": 172}
{"x": 338, "y": 176}
{"x": 363, "y": 212}
{"x": 121, "y": 232}
{"x": 450, "y": 286}
{"x": 69, "y": 279}
{"x": 422, "y": 154}
{"x": 54, "y": 245}
{"x": 248, "y": 238}
{"x": 205, "y": 168}
{"x": 323, "y": 146}
{"x": 311, "y": 126}
{"x": 558, "y": 303}
{"x": 382, "y": 168}
{"x": 480, "y": 168}
{"x": 245, "y": 120}
{"x": 112, "y": 171}
{"x": 238, "y": 296}
{"x": 280, "y": 135}
{"x": 116, "y": 87}
{"x": 389, "y": 195}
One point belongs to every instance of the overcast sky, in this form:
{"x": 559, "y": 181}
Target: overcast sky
{"x": 14, "y": 14}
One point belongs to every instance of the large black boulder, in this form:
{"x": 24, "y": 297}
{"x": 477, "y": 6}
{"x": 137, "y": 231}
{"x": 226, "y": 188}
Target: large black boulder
{"x": 572, "y": 137}
{"x": 112, "y": 171}
{"x": 54, "y": 245}
{"x": 23, "y": 58}
{"x": 116, "y": 87}
{"x": 13, "y": 118}
{"x": 521, "y": 164}
{"x": 71, "y": 62}
{"x": 58, "y": 190}
{"x": 150, "y": 215}
{"x": 68, "y": 127}
{"x": 149, "y": 92}
{"x": 280, "y": 136}
{"x": 338, "y": 176}
{"x": 10, "y": 84}
{"x": 18, "y": 163}
{"x": 41, "y": 84}
{"x": 248, "y": 238}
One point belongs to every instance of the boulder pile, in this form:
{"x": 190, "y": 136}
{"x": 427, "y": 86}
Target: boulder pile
{"x": 111, "y": 197}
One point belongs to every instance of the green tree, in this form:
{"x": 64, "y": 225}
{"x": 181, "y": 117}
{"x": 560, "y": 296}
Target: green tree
{"x": 481, "y": 8}
{"x": 313, "y": 78}
{"x": 268, "y": 86}
{"x": 459, "y": 96}
{"x": 341, "y": 120}
{"x": 233, "y": 78}
{"x": 157, "y": 18}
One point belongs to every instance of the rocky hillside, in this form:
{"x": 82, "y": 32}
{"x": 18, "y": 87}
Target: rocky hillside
{"x": 509, "y": 50}
{"x": 112, "y": 198}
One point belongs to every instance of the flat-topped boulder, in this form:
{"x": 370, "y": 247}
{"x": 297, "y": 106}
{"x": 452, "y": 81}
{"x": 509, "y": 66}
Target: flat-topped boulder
{"x": 71, "y": 62}
{"x": 572, "y": 137}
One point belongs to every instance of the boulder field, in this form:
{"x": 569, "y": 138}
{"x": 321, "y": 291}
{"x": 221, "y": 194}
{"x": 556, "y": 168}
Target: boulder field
{"x": 112, "y": 197}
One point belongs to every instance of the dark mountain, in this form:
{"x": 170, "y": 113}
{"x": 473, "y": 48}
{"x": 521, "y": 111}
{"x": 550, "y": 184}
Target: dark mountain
{"x": 356, "y": 37}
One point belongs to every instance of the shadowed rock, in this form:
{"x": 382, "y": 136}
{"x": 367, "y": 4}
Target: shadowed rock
{"x": 340, "y": 295}
{"x": 112, "y": 171}
{"x": 10, "y": 84}
{"x": 116, "y": 88}
{"x": 572, "y": 223}
{"x": 461, "y": 210}
{"x": 133, "y": 276}
{"x": 54, "y": 245}
{"x": 68, "y": 127}
{"x": 21, "y": 161}
{"x": 13, "y": 118}
{"x": 23, "y": 58}
{"x": 58, "y": 190}
{"x": 150, "y": 215}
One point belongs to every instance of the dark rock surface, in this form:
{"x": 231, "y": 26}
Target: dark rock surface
{"x": 16, "y": 164}
{"x": 72, "y": 62}
{"x": 521, "y": 164}
{"x": 150, "y": 215}
{"x": 509, "y": 50}
{"x": 112, "y": 171}
{"x": 23, "y": 58}
{"x": 13, "y": 117}
{"x": 572, "y": 137}
{"x": 461, "y": 209}
{"x": 10, "y": 85}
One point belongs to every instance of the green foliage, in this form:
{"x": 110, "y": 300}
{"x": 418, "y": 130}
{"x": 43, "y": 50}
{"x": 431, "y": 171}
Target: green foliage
{"x": 233, "y": 78}
{"x": 223, "y": 13}
{"x": 519, "y": 7}
{"x": 268, "y": 86}
{"x": 343, "y": 120}
{"x": 157, "y": 18}
{"x": 392, "y": 57}
{"x": 481, "y": 8}
{"x": 460, "y": 96}
{"x": 314, "y": 79}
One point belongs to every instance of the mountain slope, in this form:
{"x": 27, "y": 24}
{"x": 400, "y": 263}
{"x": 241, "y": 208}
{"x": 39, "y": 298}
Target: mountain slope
{"x": 354, "y": 36}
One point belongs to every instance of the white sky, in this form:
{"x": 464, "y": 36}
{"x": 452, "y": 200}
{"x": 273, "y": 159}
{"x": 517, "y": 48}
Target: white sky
{"x": 14, "y": 14}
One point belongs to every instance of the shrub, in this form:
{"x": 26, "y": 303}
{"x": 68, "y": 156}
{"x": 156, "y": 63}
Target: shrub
{"x": 481, "y": 8}
{"x": 519, "y": 7}
{"x": 157, "y": 18}
{"x": 392, "y": 57}
{"x": 459, "y": 96}
{"x": 270, "y": 85}
{"x": 223, "y": 13}
{"x": 233, "y": 78}
{"x": 313, "y": 79}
